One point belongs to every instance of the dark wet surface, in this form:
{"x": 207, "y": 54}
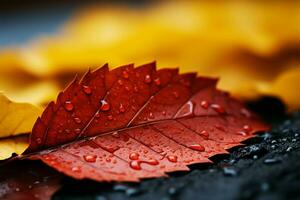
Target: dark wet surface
{"x": 267, "y": 167}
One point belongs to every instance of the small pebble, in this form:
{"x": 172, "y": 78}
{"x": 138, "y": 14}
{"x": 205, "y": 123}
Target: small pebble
{"x": 264, "y": 187}
{"x": 271, "y": 161}
{"x": 273, "y": 146}
{"x": 255, "y": 157}
{"x": 101, "y": 198}
{"x": 229, "y": 172}
{"x": 294, "y": 140}
{"x": 131, "y": 192}
{"x": 285, "y": 130}
{"x": 172, "y": 190}
{"x": 273, "y": 141}
{"x": 296, "y": 135}
{"x": 289, "y": 149}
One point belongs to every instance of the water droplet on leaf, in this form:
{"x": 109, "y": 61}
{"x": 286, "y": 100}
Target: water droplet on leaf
{"x": 197, "y": 147}
{"x": 134, "y": 164}
{"x": 125, "y": 74}
{"x": 75, "y": 169}
{"x": 217, "y": 108}
{"x": 157, "y": 81}
{"x": 77, "y": 120}
{"x": 148, "y": 79}
{"x": 172, "y": 158}
{"x": 121, "y": 108}
{"x": 69, "y": 106}
{"x": 204, "y": 104}
{"x": 104, "y": 105}
{"x": 90, "y": 158}
{"x": 134, "y": 156}
{"x": 87, "y": 89}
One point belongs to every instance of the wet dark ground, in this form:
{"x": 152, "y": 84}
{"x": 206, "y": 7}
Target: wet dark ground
{"x": 266, "y": 168}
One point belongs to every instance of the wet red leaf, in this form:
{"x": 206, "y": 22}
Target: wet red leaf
{"x": 132, "y": 123}
{"x": 28, "y": 181}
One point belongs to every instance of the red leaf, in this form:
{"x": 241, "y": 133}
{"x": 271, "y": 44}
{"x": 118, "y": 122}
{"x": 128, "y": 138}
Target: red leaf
{"x": 28, "y": 180}
{"x": 132, "y": 123}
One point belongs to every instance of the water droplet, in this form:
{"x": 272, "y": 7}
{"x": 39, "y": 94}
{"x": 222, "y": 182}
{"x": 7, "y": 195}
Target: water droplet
{"x": 121, "y": 108}
{"x": 110, "y": 117}
{"x": 134, "y": 164}
{"x": 104, "y": 105}
{"x": 120, "y": 82}
{"x": 127, "y": 88}
{"x": 217, "y": 108}
{"x": 204, "y": 104}
{"x": 67, "y": 130}
{"x": 197, "y": 147}
{"x": 245, "y": 112}
{"x": 148, "y": 79}
{"x": 87, "y": 89}
{"x": 75, "y": 169}
{"x": 134, "y": 156}
{"x": 243, "y": 133}
{"x": 77, "y": 130}
{"x": 38, "y": 140}
{"x": 112, "y": 149}
{"x": 90, "y": 158}
{"x": 172, "y": 158}
{"x": 77, "y": 120}
{"x": 135, "y": 88}
{"x": 69, "y": 106}
{"x": 17, "y": 189}
{"x": 247, "y": 128}
{"x": 204, "y": 133}
{"x": 176, "y": 95}
{"x": 152, "y": 162}
{"x": 157, "y": 81}
{"x": 164, "y": 112}
{"x": 151, "y": 116}
{"x": 125, "y": 74}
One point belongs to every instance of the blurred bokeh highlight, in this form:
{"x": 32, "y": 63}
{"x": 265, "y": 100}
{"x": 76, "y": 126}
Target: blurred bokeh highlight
{"x": 253, "y": 46}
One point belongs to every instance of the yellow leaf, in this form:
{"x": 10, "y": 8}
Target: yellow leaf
{"x": 16, "y": 118}
{"x": 16, "y": 144}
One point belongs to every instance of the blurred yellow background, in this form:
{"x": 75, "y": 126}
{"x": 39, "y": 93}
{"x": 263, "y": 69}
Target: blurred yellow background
{"x": 253, "y": 46}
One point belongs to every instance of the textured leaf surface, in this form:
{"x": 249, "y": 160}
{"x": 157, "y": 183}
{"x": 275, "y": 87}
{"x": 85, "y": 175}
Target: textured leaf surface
{"x": 28, "y": 181}
{"x": 132, "y": 123}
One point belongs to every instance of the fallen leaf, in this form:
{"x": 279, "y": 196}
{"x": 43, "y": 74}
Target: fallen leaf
{"x": 16, "y": 144}
{"x": 16, "y": 118}
{"x": 133, "y": 123}
{"x": 28, "y": 180}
